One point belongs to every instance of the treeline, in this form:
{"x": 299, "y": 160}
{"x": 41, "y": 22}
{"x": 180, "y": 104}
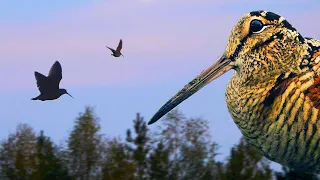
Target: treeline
{"x": 180, "y": 149}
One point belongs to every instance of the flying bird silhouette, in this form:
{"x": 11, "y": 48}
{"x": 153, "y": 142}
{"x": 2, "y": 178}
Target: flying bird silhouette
{"x": 49, "y": 86}
{"x": 117, "y": 53}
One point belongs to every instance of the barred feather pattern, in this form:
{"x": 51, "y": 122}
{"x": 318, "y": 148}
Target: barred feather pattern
{"x": 280, "y": 116}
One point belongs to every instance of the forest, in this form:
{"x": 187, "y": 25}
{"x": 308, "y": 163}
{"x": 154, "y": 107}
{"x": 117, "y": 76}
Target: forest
{"x": 182, "y": 149}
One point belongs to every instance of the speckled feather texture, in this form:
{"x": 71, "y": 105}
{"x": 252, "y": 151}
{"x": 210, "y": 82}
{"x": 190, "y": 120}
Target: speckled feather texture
{"x": 274, "y": 94}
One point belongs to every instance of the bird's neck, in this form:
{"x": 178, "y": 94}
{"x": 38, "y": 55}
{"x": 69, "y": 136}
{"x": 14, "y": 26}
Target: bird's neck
{"x": 245, "y": 101}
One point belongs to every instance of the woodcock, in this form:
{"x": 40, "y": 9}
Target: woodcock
{"x": 49, "y": 85}
{"x": 117, "y": 52}
{"x": 274, "y": 94}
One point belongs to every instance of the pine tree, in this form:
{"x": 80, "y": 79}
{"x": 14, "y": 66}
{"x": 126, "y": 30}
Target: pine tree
{"x": 139, "y": 146}
{"x": 159, "y": 163}
{"x": 50, "y": 167}
{"x": 85, "y": 147}
{"x": 118, "y": 164}
{"x": 192, "y": 151}
{"x": 18, "y": 154}
{"x": 245, "y": 163}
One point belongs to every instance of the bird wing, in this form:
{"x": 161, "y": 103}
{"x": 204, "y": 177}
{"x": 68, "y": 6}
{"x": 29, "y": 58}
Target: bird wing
{"x": 313, "y": 91}
{"x": 280, "y": 86}
{"x": 119, "y": 46}
{"x": 55, "y": 74}
{"x": 113, "y": 51}
{"x": 42, "y": 82}
{"x": 310, "y": 87}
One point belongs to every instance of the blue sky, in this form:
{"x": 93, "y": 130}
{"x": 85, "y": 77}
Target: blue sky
{"x": 166, "y": 44}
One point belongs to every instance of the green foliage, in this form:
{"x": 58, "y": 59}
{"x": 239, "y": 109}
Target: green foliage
{"x": 49, "y": 167}
{"x": 138, "y": 146}
{"x": 118, "y": 164}
{"x": 25, "y": 156}
{"x": 180, "y": 149}
{"x": 190, "y": 146}
{"x": 246, "y": 163}
{"x": 291, "y": 174}
{"x": 18, "y": 154}
{"x": 85, "y": 146}
{"x": 159, "y": 163}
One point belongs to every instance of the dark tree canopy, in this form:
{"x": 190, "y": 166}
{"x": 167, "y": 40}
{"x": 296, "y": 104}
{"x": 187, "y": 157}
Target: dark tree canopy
{"x": 180, "y": 148}
{"x": 85, "y": 146}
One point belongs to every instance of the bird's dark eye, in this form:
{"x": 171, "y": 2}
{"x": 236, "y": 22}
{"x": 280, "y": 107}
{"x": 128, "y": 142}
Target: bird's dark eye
{"x": 256, "y": 25}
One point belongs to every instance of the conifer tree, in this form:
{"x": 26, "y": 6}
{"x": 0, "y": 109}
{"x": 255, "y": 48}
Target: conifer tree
{"x": 85, "y": 147}
{"x": 159, "y": 163}
{"x": 245, "y": 163}
{"x": 18, "y": 154}
{"x": 50, "y": 167}
{"x": 139, "y": 146}
{"x": 118, "y": 164}
{"x": 191, "y": 148}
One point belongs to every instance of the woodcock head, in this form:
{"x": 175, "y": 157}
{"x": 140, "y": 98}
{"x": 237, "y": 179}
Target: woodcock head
{"x": 262, "y": 45}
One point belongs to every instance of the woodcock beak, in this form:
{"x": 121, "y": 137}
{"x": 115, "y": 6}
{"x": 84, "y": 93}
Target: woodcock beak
{"x": 70, "y": 95}
{"x": 221, "y": 66}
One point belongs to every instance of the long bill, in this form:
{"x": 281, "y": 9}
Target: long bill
{"x": 70, "y": 95}
{"x": 221, "y": 66}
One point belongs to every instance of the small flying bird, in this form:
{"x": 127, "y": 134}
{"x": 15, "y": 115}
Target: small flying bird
{"x": 117, "y": 53}
{"x": 49, "y": 86}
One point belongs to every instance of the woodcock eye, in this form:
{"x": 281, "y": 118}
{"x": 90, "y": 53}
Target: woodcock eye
{"x": 256, "y": 26}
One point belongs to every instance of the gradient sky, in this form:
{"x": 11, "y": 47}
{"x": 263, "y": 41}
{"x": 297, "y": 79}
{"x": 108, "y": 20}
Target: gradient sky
{"x": 166, "y": 43}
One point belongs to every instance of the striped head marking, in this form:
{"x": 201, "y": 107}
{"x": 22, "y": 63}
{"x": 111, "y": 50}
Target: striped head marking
{"x": 261, "y": 45}
{"x": 264, "y": 43}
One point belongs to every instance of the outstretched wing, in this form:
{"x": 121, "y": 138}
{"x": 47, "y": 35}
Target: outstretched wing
{"x": 55, "y": 74}
{"x": 119, "y": 46}
{"x": 113, "y": 51}
{"x": 42, "y": 82}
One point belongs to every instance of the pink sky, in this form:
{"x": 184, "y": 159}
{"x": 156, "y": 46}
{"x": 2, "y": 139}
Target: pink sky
{"x": 166, "y": 44}
{"x": 160, "y": 41}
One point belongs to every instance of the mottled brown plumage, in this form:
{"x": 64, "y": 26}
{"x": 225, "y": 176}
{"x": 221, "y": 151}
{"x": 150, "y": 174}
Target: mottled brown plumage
{"x": 274, "y": 94}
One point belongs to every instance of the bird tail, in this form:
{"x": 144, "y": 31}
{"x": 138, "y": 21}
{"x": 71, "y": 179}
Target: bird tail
{"x": 35, "y": 98}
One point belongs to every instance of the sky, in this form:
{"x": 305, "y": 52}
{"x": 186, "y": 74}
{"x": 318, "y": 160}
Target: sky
{"x": 166, "y": 43}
